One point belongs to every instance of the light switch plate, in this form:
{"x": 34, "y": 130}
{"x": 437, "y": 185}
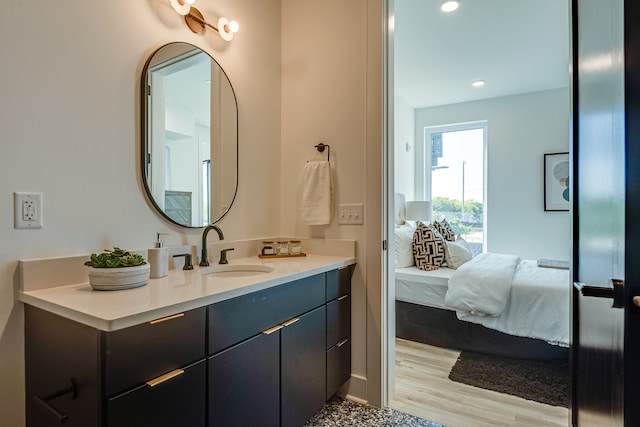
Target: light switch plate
{"x": 351, "y": 214}
{"x": 27, "y": 210}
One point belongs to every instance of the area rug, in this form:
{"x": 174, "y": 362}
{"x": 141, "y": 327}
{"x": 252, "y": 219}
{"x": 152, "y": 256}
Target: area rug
{"x": 342, "y": 412}
{"x": 544, "y": 382}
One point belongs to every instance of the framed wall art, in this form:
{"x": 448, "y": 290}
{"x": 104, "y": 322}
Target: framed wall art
{"x": 556, "y": 181}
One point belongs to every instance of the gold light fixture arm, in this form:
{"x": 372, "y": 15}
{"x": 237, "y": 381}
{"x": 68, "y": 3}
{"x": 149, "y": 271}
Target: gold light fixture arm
{"x": 196, "y": 22}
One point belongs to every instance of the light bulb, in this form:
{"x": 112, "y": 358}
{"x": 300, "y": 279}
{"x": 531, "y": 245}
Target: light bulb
{"x": 234, "y": 26}
{"x": 449, "y": 5}
{"x": 478, "y": 83}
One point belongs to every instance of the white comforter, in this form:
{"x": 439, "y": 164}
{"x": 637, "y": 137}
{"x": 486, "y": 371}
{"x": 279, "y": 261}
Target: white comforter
{"x": 536, "y": 305}
{"x": 482, "y": 286}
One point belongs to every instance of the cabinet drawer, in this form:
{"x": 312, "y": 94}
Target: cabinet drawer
{"x": 338, "y": 282}
{"x": 338, "y": 320}
{"x": 244, "y": 384}
{"x": 178, "y": 401}
{"x": 133, "y": 355}
{"x": 240, "y": 318}
{"x": 338, "y": 366}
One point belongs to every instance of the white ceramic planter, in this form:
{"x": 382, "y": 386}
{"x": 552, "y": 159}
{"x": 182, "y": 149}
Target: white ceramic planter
{"x": 114, "y": 279}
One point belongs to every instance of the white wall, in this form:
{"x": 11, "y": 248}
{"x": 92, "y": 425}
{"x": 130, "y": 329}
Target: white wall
{"x": 404, "y": 147}
{"x": 324, "y": 98}
{"x": 69, "y": 128}
{"x": 521, "y": 129}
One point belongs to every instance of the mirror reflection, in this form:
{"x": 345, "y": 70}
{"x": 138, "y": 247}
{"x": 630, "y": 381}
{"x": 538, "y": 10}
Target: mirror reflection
{"x": 190, "y": 142}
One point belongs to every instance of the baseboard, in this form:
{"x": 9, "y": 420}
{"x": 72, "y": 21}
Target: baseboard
{"x": 355, "y": 389}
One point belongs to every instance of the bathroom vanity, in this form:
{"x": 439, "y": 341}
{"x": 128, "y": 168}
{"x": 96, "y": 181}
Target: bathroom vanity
{"x": 191, "y": 349}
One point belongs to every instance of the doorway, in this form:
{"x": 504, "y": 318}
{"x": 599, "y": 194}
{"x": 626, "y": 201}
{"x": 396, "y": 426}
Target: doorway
{"x": 515, "y": 146}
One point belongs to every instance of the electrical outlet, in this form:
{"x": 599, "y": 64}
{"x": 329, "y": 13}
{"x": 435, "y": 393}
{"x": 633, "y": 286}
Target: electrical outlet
{"x": 27, "y": 210}
{"x": 351, "y": 214}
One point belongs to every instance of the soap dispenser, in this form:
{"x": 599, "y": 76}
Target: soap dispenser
{"x": 159, "y": 259}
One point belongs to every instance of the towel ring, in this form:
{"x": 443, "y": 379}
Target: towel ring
{"x": 320, "y": 147}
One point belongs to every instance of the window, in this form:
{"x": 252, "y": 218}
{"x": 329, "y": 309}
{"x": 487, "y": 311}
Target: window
{"x": 454, "y": 175}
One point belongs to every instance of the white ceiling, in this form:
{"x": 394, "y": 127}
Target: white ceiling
{"x": 516, "y": 46}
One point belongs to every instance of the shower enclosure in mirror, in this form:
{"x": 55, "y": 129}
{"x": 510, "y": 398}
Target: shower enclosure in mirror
{"x": 190, "y": 136}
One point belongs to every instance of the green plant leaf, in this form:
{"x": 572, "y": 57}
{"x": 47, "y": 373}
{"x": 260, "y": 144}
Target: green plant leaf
{"x": 115, "y": 258}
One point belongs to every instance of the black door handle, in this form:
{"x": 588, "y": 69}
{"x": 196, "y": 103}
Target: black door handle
{"x": 615, "y": 292}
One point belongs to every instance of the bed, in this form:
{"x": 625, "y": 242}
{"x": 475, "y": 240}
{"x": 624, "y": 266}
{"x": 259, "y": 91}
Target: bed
{"x": 493, "y": 303}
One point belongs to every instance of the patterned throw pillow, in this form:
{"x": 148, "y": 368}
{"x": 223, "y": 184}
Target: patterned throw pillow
{"x": 428, "y": 248}
{"x": 445, "y": 230}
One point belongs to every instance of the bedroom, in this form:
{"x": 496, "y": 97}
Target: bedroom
{"x": 525, "y": 107}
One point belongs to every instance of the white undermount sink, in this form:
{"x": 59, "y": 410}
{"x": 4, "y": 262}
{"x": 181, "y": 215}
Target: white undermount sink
{"x": 236, "y": 270}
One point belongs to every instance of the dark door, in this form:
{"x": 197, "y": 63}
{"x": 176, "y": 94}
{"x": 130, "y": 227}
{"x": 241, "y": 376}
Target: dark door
{"x": 606, "y": 159}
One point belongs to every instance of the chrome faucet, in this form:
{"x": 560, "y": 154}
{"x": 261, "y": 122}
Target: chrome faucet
{"x": 204, "y": 256}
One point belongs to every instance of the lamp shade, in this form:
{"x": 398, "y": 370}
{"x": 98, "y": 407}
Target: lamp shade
{"x": 418, "y": 210}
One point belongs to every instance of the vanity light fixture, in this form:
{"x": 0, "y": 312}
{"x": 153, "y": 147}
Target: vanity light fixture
{"x": 449, "y": 5}
{"x": 196, "y": 22}
{"x": 478, "y": 83}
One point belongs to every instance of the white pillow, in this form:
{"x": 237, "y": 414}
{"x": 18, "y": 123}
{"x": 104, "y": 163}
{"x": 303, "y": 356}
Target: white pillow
{"x": 457, "y": 253}
{"x": 404, "y": 246}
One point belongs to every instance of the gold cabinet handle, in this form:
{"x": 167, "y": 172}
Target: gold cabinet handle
{"x": 162, "y": 378}
{"x": 164, "y": 319}
{"x": 290, "y": 321}
{"x": 341, "y": 343}
{"x": 272, "y": 330}
{"x": 636, "y": 301}
{"x": 343, "y": 297}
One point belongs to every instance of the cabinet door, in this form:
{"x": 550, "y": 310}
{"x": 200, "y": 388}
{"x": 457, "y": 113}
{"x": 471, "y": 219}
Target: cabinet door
{"x": 176, "y": 401}
{"x": 58, "y": 350}
{"x": 338, "y": 366}
{"x": 303, "y": 365}
{"x": 244, "y": 383}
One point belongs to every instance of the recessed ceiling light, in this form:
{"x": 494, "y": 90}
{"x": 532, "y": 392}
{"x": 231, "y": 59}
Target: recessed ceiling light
{"x": 478, "y": 83}
{"x": 449, "y": 5}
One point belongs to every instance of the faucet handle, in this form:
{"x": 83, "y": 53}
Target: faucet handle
{"x": 223, "y": 256}
{"x": 187, "y": 261}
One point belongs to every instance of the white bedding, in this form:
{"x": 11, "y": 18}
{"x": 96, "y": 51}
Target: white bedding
{"x": 422, "y": 287}
{"x": 482, "y": 286}
{"x": 537, "y": 305}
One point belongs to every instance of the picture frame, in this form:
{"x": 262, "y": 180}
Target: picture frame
{"x": 556, "y": 182}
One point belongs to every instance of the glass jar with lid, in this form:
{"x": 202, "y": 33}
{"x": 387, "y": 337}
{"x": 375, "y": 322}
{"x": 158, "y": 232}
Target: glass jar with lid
{"x": 295, "y": 248}
{"x": 268, "y": 248}
{"x": 282, "y": 247}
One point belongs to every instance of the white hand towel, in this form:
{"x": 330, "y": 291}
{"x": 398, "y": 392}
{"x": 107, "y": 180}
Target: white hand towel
{"x": 317, "y": 193}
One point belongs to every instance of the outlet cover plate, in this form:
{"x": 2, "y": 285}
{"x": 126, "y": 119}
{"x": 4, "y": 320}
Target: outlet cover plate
{"x": 27, "y": 210}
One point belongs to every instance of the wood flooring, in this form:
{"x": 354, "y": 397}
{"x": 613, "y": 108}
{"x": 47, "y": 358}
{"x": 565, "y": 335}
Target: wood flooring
{"x": 423, "y": 390}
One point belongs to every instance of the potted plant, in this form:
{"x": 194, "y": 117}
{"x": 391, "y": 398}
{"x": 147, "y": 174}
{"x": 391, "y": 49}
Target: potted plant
{"x": 117, "y": 269}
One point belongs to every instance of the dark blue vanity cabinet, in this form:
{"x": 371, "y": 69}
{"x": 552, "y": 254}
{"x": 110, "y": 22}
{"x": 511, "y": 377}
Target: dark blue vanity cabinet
{"x": 338, "y": 343}
{"x": 269, "y": 358}
{"x": 151, "y": 374}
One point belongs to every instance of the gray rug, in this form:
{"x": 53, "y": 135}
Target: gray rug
{"x": 544, "y": 382}
{"x": 342, "y": 412}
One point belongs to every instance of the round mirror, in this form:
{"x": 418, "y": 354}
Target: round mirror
{"x": 190, "y": 136}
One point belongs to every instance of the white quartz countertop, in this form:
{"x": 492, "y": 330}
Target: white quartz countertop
{"x": 179, "y": 291}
